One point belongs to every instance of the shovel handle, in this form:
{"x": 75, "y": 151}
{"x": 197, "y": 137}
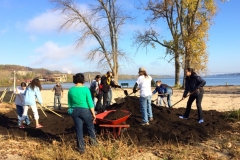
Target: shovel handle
{"x": 185, "y": 97}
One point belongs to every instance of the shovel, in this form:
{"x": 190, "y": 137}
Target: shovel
{"x": 184, "y": 98}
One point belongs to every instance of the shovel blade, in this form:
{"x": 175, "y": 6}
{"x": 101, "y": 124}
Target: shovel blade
{"x": 126, "y": 92}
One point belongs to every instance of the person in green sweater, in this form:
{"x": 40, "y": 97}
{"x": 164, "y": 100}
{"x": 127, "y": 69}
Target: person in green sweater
{"x": 81, "y": 108}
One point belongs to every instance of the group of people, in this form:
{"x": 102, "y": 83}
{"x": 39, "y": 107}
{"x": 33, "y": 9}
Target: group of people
{"x": 193, "y": 88}
{"x": 101, "y": 89}
{"x": 26, "y": 97}
{"x": 83, "y": 107}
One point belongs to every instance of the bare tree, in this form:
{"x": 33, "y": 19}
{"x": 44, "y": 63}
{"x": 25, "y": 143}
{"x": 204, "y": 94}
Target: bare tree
{"x": 101, "y": 22}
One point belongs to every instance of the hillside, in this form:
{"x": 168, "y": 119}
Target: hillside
{"x": 24, "y": 73}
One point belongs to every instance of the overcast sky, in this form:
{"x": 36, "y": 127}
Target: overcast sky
{"x": 29, "y": 36}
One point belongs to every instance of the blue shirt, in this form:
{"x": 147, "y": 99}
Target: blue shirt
{"x": 31, "y": 95}
{"x": 160, "y": 89}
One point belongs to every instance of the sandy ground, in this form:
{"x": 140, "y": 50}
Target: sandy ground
{"x": 220, "y": 98}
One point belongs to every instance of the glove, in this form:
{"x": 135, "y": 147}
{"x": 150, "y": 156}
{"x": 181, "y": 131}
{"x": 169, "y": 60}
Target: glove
{"x": 134, "y": 90}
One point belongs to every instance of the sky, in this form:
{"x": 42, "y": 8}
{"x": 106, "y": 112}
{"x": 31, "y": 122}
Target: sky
{"x": 30, "y": 36}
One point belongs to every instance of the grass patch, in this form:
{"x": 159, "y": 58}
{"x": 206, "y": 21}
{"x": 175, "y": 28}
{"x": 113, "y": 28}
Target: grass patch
{"x": 224, "y": 146}
{"x": 233, "y": 115}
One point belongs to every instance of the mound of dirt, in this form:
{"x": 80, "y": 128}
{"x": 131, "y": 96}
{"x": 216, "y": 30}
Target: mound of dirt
{"x": 166, "y": 125}
{"x": 115, "y": 115}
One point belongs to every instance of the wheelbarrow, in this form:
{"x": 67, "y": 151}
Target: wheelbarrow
{"x": 115, "y": 124}
{"x": 100, "y": 118}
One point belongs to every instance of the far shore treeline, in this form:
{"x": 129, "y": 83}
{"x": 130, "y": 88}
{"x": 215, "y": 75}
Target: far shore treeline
{"x": 23, "y": 73}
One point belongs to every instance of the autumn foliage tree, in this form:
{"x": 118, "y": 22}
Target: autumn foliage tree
{"x": 188, "y": 22}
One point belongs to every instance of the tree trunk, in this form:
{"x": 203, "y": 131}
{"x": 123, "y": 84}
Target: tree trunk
{"x": 177, "y": 69}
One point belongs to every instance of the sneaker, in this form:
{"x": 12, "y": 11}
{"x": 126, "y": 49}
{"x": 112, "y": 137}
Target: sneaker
{"x": 182, "y": 117}
{"x": 151, "y": 119}
{"x": 21, "y": 127}
{"x": 201, "y": 121}
{"x": 39, "y": 126}
{"x": 144, "y": 124}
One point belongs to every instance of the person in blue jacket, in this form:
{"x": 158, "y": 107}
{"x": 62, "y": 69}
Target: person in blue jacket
{"x": 31, "y": 94}
{"x": 193, "y": 84}
{"x": 161, "y": 93}
{"x": 168, "y": 91}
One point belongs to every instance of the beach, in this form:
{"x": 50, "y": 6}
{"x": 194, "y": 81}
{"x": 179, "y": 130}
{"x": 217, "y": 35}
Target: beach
{"x": 220, "y": 98}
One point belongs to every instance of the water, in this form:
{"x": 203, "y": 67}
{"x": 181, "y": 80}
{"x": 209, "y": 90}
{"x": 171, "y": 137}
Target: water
{"x": 211, "y": 81}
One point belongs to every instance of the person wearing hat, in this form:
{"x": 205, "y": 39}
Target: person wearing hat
{"x": 106, "y": 83}
{"x": 144, "y": 84}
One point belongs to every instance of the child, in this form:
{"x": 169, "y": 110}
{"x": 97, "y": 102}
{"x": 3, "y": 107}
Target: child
{"x": 19, "y": 101}
{"x": 32, "y": 92}
{"x": 161, "y": 94}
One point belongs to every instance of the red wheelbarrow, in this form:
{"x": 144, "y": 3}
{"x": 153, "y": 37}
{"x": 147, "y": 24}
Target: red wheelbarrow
{"x": 117, "y": 124}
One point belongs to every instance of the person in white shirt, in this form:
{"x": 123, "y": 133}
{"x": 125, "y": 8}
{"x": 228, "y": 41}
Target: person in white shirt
{"x": 94, "y": 88}
{"x": 144, "y": 84}
{"x": 19, "y": 101}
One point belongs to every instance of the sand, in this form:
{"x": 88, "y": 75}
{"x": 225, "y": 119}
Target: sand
{"x": 220, "y": 98}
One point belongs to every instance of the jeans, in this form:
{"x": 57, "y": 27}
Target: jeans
{"x": 20, "y": 113}
{"x": 146, "y": 108}
{"x": 109, "y": 98}
{"x": 59, "y": 101}
{"x": 164, "y": 99}
{"x": 79, "y": 116}
{"x": 198, "y": 98}
{"x": 104, "y": 96}
{"x": 159, "y": 100}
{"x": 169, "y": 95}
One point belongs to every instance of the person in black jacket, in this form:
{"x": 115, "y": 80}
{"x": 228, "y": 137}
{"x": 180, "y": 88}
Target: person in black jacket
{"x": 193, "y": 84}
{"x": 106, "y": 82}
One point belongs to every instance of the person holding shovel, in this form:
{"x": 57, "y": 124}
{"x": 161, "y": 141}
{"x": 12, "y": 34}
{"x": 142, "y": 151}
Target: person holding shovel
{"x": 144, "y": 83}
{"x": 161, "y": 94}
{"x": 31, "y": 94}
{"x": 81, "y": 109}
{"x": 193, "y": 84}
{"x": 106, "y": 82}
{"x": 19, "y": 101}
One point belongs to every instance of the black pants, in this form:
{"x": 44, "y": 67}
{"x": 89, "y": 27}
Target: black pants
{"x": 101, "y": 95}
{"x": 198, "y": 98}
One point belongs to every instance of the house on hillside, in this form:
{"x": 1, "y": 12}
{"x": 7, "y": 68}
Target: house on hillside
{"x": 58, "y": 78}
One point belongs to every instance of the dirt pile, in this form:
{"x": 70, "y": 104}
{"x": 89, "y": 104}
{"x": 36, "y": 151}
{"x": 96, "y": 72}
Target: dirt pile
{"x": 115, "y": 115}
{"x": 166, "y": 125}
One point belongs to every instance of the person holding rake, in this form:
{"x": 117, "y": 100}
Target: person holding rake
{"x": 31, "y": 94}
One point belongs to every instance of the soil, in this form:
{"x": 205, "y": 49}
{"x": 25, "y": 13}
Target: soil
{"x": 115, "y": 115}
{"x": 165, "y": 127}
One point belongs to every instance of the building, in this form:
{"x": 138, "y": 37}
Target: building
{"x": 58, "y": 78}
